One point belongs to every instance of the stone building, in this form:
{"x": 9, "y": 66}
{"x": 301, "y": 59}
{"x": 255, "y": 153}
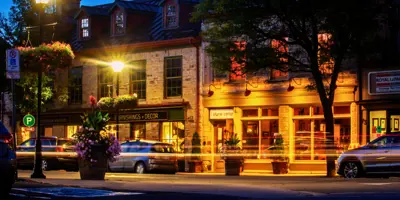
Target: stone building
{"x": 161, "y": 52}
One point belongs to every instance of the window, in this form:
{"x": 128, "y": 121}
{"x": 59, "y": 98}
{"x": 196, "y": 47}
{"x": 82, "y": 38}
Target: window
{"x": 84, "y": 32}
{"x": 282, "y": 50}
{"x": 173, "y": 77}
{"x": 250, "y": 113}
{"x": 119, "y": 23}
{"x": 75, "y": 85}
{"x": 171, "y": 16}
{"x": 138, "y": 131}
{"x": 173, "y": 133}
{"x": 71, "y": 130}
{"x": 105, "y": 82}
{"x": 377, "y": 123}
{"x": 138, "y": 79}
{"x": 270, "y": 112}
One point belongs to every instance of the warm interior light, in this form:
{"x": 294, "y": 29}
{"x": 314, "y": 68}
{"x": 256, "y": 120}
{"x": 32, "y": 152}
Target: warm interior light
{"x": 42, "y": 1}
{"x": 117, "y": 66}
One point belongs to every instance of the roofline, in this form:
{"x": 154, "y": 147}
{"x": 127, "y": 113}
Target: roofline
{"x": 146, "y": 45}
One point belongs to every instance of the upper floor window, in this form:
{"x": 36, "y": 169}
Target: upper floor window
{"x": 105, "y": 82}
{"x": 173, "y": 76}
{"x": 281, "y": 49}
{"x": 171, "y": 16}
{"x": 119, "y": 23}
{"x": 75, "y": 85}
{"x": 84, "y": 30}
{"x": 138, "y": 79}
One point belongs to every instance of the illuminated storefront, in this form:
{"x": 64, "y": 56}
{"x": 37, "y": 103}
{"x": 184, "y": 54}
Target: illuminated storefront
{"x": 297, "y": 115}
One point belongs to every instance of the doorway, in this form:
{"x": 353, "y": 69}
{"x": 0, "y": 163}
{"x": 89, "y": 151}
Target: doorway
{"x": 222, "y": 131}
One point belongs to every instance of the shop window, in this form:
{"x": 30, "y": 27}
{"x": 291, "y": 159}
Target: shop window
{"x": 341, "y": 110}
{"x": 268, "y": 112}
{"x": 302, "y": 139}
{"x": 250, "y": 113}
{"x": 394, "y": 123}
{"x": 342, "y": 134}
{"x": 319, "y": 136}
{"x": 173, "y": 133}
{"x": 318, "y": 110}
{"x": 250, "y": 139}
{"x": 138, "y": 131}
{"x": 71, "y": 130}
{"x": 222, "y": 131}
{"x": 268, "y": 128}
{"x": 377, "y": 123}
{"x": 302, "y": 111}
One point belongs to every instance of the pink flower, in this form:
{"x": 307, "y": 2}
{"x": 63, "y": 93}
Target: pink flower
{"x": 92, "y": 100}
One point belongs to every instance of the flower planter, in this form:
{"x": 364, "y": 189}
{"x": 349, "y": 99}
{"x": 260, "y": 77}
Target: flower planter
{"x": 195, "y": 166}
{"x": 233, "y": 167}
{"x": 94, "y": 170}
{"x": 280, "y": 167}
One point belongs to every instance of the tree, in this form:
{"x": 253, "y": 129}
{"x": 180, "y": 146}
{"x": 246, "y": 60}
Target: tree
{"x": 323, "y": 37}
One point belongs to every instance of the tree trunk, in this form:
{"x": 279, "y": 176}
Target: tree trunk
{"x": 329, "y": 142}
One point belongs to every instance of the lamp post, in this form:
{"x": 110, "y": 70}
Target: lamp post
{"x": 117, "y": 67}
{"x": 37, "y": 169}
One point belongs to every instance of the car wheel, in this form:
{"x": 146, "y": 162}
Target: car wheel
{"x": 45, "y": 165}
{"x": 352, "y": 170}
{"x": 140, "y": 168}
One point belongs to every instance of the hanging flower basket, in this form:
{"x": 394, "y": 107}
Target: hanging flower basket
{"x": 106, "y": 103}
{"x": 56, "y": 55}
{"x": 126, "y": 101}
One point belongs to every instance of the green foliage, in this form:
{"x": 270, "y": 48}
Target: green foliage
{"x": 233, "y": 141}
{"x": 278, "y": 149}
{"x": 106, "y": 102}
{"x": 126, "y": 100}
{"x": 27, "y": 86}
{"x": 95, "y": 120}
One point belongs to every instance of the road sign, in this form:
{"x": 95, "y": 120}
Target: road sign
{"x": 29, "y": 120}
{"x": 12, "y": 60}
{"x": 13, "y": 65}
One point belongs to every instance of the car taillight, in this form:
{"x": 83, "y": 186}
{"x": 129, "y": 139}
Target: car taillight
{"x": 59, "y": 149}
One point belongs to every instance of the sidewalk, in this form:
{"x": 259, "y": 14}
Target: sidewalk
{"x": 262, "y": 173}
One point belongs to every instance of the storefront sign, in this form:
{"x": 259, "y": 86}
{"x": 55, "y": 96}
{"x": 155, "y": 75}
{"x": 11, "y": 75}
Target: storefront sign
{"x": 221, "y": 114}
{"x": 147, "y": 116}
{"x": 384, "y": 82}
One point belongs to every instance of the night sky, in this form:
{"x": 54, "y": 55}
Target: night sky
{"x": 6, "y": 4}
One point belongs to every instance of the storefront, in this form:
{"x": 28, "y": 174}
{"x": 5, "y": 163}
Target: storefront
{"x": 380, "y": 103}
{"x": 298, "y": 116}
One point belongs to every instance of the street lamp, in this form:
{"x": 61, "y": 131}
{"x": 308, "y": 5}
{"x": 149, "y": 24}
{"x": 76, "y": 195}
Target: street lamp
{"x": 37, "y": 169}
{"x": 117, "y": 67}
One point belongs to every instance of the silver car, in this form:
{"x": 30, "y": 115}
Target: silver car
{"x": 379, "y": 157}
{"x": 143, "y": 156}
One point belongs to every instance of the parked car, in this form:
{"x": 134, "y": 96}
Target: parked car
{"x": 379, "y": 157}
{"x": 143, "y": 156}
{"x": 57, "y": 153}
{"x": 8, "y": 164}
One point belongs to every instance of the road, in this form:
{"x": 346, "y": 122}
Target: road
{"x": 243, "y": 187}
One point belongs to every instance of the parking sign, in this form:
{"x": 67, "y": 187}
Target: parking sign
{"x": 12, "y": 60}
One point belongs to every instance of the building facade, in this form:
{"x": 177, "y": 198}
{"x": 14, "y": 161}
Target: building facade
{"x": 161, "y": 52}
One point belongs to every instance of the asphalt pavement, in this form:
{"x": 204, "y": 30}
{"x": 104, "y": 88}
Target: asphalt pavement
{"x": 192, "y": 186}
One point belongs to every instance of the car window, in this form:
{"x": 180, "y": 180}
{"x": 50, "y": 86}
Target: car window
{"x": 382, "y": 142}
{"x": 47, "y": 143}
{"x": 396, "y": 141}
{"x": 162, "y": 148}
{"x": 125, "y": 147}
{"x": 29, "y": 143}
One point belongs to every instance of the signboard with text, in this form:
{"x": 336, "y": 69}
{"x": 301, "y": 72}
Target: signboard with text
{"x": 384, "y": 82}
{"x": 221, "y": 114}
{"x": 145, "y": 116}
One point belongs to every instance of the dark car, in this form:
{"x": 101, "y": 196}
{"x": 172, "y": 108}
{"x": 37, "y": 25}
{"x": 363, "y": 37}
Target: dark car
{"x": 379, "y": 157}
{"x": 57, "y": 153}
{"x": 143, "y": 156}
{"x": 8, "y": 164}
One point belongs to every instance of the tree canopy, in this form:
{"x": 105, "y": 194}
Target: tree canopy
{"x": 312, "y": 36}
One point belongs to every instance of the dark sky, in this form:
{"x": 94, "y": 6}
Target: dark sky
{"x": 6, "y": 4}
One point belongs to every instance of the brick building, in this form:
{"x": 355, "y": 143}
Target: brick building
{"x": 161, "y": 52}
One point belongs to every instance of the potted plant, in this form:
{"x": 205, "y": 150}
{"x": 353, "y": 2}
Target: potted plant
{"x": 280, "y": 162}
{"x": 232, "y": 156}
{"x": 106, "y": 103}
{"x": 195, "y": 164}
{"x": 95, "y": 147}
{"x": 125, "y": 101}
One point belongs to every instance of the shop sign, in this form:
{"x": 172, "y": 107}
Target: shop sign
{"x": 384, "y": 82}
{"x": 147, "y": 116}
{"x": 221, "y": 114}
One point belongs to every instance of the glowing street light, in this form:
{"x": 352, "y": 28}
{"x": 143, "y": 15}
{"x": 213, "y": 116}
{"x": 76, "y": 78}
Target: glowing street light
{"x": 117, "y": 66}
{"x": 42, "y": 1}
